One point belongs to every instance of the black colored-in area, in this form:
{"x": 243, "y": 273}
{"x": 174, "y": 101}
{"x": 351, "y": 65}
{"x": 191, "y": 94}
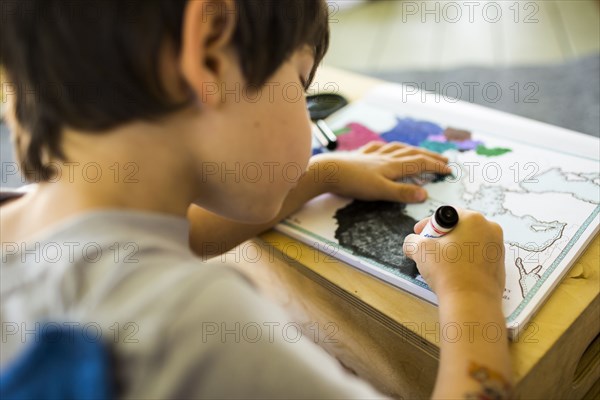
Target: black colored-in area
{"x": 441, "y": 178}
{"x": 376, "y": 229}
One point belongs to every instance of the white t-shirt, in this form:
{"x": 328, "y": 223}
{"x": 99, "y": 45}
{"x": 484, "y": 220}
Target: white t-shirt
{"x": 177, "y": 327}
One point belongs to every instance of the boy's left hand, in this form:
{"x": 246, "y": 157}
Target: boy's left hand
{"x": 370, "y": 173}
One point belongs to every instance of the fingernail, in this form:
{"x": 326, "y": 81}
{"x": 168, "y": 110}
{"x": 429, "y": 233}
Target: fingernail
{"x": 420, "y": 195}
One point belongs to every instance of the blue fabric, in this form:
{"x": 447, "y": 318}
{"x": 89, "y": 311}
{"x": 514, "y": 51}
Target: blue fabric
{"x": 61, "y": 363}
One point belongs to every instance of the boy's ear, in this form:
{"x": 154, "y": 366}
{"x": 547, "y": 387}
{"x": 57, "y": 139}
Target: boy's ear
{"x": 208, "y": 26}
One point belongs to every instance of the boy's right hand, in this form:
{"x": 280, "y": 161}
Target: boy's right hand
{"x": 467, "y": 261}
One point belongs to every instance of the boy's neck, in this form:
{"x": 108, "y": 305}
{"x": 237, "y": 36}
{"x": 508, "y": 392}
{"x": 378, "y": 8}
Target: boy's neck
{"x": 138, "y": 167}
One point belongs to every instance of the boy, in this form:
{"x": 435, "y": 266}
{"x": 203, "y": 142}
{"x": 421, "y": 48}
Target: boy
{"x": 122, "y": 113}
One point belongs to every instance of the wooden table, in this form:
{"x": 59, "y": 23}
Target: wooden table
{"x": 390, "y": 338}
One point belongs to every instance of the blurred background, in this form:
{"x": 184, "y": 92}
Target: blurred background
{"x": 543, "y": 57}
{"x": 387, "y": 35}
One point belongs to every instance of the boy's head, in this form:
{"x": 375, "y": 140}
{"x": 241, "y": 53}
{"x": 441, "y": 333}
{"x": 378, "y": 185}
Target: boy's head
{"x": 225, "y": 75}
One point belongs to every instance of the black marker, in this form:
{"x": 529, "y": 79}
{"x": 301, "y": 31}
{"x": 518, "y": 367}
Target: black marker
{"x": 325, "y": 135}
{"x": 441, "y": 222}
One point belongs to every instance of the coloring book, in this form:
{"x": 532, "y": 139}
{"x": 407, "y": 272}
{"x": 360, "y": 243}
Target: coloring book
{"x": 539, "y": 182}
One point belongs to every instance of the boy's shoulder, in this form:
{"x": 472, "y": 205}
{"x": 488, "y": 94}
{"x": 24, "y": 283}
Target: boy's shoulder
{"x": 115, "y": 272}
{"x": 176, "y": 326}
{"x": 106, "y": 248}
{"x": 103, "y": 259}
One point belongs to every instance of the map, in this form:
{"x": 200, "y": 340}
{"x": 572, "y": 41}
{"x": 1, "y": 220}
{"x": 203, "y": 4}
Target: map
{"x": 546, "y": 202}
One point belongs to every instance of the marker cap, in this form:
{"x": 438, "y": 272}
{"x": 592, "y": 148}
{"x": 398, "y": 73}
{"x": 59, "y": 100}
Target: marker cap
{"x": 446, "y": 217}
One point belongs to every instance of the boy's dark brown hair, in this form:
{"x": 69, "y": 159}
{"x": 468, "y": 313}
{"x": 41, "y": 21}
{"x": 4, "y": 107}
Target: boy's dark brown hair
{"x": 92, "y": 65}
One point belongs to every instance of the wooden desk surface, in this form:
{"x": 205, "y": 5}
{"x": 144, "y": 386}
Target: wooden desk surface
{"x": 391, "y": 338}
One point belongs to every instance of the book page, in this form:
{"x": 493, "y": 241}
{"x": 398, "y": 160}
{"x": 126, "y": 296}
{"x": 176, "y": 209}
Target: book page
{"x": 545, "y": 198}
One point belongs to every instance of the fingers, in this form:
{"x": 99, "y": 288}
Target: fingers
{"x": 480, "y": 219}
{"x": 403, "y": 192}
{"x": 419, "y": 226}
{"x": 409, "y": 151}
{"x": 392, "y": 147}
{"x": 399, "y": 150}
{"x": 371, "y": 147}
{"x": 411, "y": 245}
{"x": 419, "y": 163}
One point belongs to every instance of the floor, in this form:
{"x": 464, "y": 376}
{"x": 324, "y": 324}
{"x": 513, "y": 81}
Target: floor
{"x": 386, "y": 35}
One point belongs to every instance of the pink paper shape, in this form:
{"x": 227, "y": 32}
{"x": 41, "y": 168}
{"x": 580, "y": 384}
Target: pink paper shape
{"x": 358, "y": 136}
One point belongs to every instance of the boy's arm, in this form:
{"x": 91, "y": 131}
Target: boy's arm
{"x": 474, "y": 356}
{"x": 211, "y": 234}
{"x": 367, "y": 174}
{"x": 474, "y": 361}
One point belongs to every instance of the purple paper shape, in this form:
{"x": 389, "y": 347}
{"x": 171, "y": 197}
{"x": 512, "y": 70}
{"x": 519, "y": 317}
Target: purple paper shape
{"x": 437, "y": 138}
{"x": 466, "y": 145}
{"x": 411, "y": 131}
